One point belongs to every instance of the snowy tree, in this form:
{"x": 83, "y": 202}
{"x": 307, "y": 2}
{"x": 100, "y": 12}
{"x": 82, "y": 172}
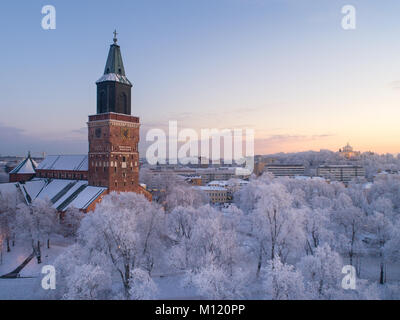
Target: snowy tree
{"x": 276, "y": 227}
{"x": 184, "y": 195}
{"x": 71, "y": 221}
{"x": 392, "y": 246}
{"x": 37, "y": 222}
{"x": 381, "y": 230}
{"x": 283, "y": 282}
{"x": 248, "y": 196}
{"x": 88, "y": 282}
{"x": 215, "y": 283}
{"x": 348, "y": 223}
{"x": 123, "y": 234}
{"x": 142, "y": 285}
{"x": 180, "y": 223}
{"x": 316, "y": 224}
{"x": 8, "y": 208}
{"x": 322, "y": 273}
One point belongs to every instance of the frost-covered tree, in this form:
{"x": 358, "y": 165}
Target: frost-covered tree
{"x": 203, "y": 236}
{"x": 381, "y": 231}
{"x": 37, "y": 222}
{"x": 248, "y": 196}
{"x": 283, "y": 282}
{"x": 277, "y": 227}
{"x": 8, "y": 209}
{"x": 71, "y": 221}
{"x": 348, "y": 222}
{"x": 316, "y": 229}
{"x": 322, "y": 273}
{"x": 123, "y": 234}
{"x": 184, "y": 195}
{"x": 142, "y": 285}
{"x": 214, "y": 283}
{"x": 88, "y": 282}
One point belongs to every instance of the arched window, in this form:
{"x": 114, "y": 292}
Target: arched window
{"x": 102, "y": 102}
{"x": 122, "y": 103}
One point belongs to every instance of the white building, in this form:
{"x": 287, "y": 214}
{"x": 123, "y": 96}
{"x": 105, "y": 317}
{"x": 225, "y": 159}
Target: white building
{"x": 343, "y": 173}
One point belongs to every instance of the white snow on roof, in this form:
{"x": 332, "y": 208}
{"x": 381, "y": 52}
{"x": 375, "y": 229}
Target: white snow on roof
{"x": 27, "y": 166}
{"x": 114, "y": 77}
{"x": 53, "y": 188}
{"x": 210, "y": 188}
{"x": 8, "y": 188}
{"x": 86, "y": 197}
{"x": 64, "y": 162}
{"x": 33, "y": 188}
{"x": 218, "y": 183}
{"x": 65, "y": 193}
{"x": 70, "y": 192}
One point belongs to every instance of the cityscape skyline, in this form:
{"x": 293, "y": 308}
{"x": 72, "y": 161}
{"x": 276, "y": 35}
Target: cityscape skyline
{"x": 315, "y": 86}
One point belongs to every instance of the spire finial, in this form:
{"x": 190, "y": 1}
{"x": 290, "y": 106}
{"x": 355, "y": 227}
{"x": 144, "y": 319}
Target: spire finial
{"x": 115, "y": 36}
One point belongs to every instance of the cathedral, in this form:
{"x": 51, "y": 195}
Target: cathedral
{"x": 112, "y": 163}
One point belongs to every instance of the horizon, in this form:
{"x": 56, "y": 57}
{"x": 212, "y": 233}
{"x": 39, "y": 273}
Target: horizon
{"x": 313, "y": 86}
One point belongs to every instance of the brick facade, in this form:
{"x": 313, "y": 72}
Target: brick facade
{"x": 113, "y": 152}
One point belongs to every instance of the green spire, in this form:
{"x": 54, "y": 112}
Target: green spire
{"x": 114, "y": 61}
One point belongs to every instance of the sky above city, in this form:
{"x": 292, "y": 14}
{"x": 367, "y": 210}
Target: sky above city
{"x": 285, "y": 68}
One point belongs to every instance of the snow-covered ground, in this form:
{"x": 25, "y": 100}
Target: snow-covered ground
{"x": 170, "y": 285}
{"x": 28, "y": 287}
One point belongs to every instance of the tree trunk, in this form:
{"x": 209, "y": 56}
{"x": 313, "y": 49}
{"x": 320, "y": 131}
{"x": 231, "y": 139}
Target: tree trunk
{"x": 48, "y": 243}
{"x": 126, "y": 282}
{"x": 38, "y": 253}
{"x": 8, "y": 244}
{"x": 259, "y": 262}
{"x": 358, "y": 266}
{"x": 382, "y": 274}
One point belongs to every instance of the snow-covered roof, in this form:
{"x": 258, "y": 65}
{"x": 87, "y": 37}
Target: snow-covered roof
{"x": 62, "y": 193}
{"x": 220, "y": 183}
{"x": 8, "y": 188}
{"x": 65, "y": 162}
{"x": 114, "y": 77}
{"x": 27, "y": 166}
{"x": 209, "y": 188}
{"x": 32, "y": 188}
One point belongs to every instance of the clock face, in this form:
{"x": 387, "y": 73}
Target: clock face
{"x": 98, "y": 132}
{"x": 125, "y": 133}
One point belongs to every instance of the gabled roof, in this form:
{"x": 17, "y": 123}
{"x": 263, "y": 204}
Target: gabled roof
{"x": 63, "y": 194}
{"x": 27, "y": 166}
{"x": 65, "y": 162}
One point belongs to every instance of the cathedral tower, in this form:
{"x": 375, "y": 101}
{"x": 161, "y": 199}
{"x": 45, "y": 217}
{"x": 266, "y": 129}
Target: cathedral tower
{"x": 113, "y": 132}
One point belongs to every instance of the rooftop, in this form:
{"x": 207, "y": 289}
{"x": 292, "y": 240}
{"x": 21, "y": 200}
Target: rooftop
{"x": 65, "y": 163}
